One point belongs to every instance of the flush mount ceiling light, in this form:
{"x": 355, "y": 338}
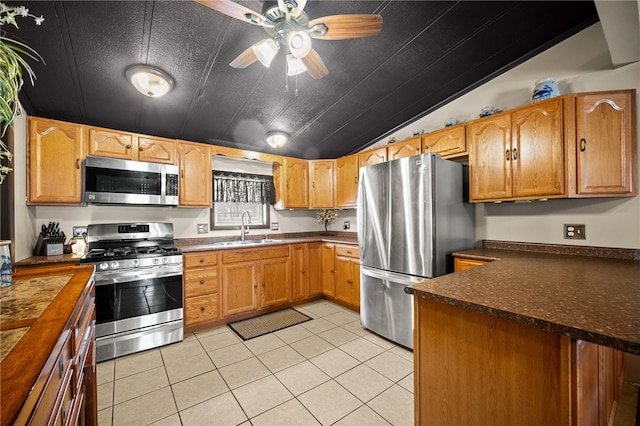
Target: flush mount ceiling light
{"x": 277, "y": 139}
{"x": 150, "y": 81}
{"x": 299, "y": 43}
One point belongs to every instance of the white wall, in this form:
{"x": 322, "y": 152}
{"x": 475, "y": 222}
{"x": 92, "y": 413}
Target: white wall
{"x": 581, "y": 63}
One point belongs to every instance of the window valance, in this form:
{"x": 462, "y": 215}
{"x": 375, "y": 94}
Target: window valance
{"x": 230, "y": 187}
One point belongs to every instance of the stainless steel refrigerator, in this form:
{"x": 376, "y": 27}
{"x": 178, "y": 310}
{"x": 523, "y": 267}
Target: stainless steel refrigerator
{"x": 412, "y": 213}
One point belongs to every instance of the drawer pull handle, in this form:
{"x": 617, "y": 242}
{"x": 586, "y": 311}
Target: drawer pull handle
{"x": 141, "y": 149}
{"x": 515, "y": 153}
{"x": 262, "y": 284}
{"x": 201, "y": 282}
{"x": 507, "y": 156}
{"x": 349, "y": 282}
{"x": 78, "y": 163}
{"x": 348, "y": 251}
{"x": 201, "y": 308}
{"x": 201, "y": 260}
{"x": 128, "y": 146}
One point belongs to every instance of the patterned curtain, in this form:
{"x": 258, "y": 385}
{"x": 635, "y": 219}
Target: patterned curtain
{"x": 229, "y": 187}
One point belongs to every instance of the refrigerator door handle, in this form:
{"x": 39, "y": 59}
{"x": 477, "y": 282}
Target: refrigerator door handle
{"x": 391, "y": 276}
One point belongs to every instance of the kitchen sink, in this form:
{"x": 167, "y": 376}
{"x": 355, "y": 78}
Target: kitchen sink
{"x": 245, "y": 242}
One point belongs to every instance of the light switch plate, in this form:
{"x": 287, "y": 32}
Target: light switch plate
{"x": 275, "y": 226}
{"x": 79, "y": 231}
{"x": 203, "y": 228}
{"x": 347, "y": 224}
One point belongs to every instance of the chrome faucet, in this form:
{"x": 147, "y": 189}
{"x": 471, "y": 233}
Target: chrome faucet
{"x": 244, "y": 229}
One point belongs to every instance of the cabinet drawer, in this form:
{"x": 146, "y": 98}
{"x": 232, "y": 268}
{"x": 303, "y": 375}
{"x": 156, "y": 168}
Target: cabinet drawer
{"x": 200, "y": 281}
{"x": 204, "y": 258}
{"x": 201, "y": 308}
{"x": 462, "y": 263}
{"x": 348, "y": 251}
{"x": 248, "y": 255}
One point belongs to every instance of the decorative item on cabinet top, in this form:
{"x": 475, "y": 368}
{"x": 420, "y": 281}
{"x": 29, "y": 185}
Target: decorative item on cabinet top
{"x": 546, "y": 88}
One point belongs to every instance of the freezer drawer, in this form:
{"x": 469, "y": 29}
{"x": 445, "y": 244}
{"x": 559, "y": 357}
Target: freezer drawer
{"x": 385, "y": 308}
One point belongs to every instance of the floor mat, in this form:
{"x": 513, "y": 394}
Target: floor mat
{"x": 267, "y": 323}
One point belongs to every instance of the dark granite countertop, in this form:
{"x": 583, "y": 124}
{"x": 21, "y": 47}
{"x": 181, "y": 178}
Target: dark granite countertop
{"x": 588, "y": 297}
{"x": 207, "y": 244}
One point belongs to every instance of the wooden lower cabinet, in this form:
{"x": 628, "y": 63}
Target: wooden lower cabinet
{"x": 255, "y": 278}
{"x": 347, "y": 275}
{"x": 328, "y": 269}
{"x": 506, "y": 373}
{"x": 462, "y": 263}
{"x": 201, "y": 287}
{"x": 306, "y": 270}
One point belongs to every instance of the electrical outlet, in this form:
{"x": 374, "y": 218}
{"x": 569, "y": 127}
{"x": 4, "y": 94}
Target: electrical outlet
{"x": 275, "y": 226}
{"x": 347, "y": 224}
{"x": 79, "y": 231}
{"x": 575, "y": 232}
{"x": 203, "y": 228}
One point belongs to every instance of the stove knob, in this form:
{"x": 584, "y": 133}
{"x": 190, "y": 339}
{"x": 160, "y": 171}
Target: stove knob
{"x": 114, "y": 265}
{"x": 156, "y": 261}
{"x": 103, "y": 266}
{"x": 165, "y": 260}
{"x": 136, "y": 262}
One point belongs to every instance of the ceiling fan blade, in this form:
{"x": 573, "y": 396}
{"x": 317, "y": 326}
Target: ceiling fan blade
{"x": 341, "y": 27}
{"x": 315, "y": 65}
{"x": 244, "y": 59}
{"x": 235, "y": 10}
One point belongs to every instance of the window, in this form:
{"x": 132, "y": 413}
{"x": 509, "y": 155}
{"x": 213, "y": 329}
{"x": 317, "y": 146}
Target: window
{"x": 234, "y": 193}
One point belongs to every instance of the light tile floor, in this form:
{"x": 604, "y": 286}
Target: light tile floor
{"x": 326, "y": 371}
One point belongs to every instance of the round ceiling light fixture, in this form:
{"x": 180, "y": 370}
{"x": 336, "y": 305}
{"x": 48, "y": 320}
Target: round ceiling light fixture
{"x": 149, "y": 80}
{"x": 299, "y": 43}
{"x": 277, "y": 139}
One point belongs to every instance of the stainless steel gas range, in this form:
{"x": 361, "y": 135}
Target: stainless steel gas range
{"x": 138, "y": 287}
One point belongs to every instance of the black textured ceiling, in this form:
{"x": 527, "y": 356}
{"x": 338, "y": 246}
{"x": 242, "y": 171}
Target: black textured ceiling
{"x": 428, "y": 53}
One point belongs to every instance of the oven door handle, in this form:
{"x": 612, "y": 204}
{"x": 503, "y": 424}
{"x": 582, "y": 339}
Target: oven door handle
{"x": 105, "y": 278}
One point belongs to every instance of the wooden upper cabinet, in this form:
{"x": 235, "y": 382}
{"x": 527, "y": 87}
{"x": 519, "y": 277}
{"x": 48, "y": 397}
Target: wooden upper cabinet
{"x": 606, "y": 143}
{"x": 489, "y": 169}
{"x": 156, "y": 150}
{"x": 347, "y": 172}
{"x": 518, "y": 155}
{"x": 405, "y": 148}
{"x": 130, "y": 146}
{"x": 450, "y": 142}
{"x": 321, "y": 184}
{"x": 291, "y": 178}
{"x": 55, "y": 154}
{"x": 111, "y": 143}
{"x": 537, "y": 150}
{"x": 372, "y": 156}
{"x": 195, "y": 175}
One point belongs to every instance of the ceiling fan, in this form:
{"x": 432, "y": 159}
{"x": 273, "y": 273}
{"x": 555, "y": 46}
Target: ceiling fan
{"x": 288, "y": 25}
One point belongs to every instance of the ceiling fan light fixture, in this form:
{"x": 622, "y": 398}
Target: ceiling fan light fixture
{"x": 295, "y": 65}
{"x": 299, "y": 43}
{"x": 277, "y": 139}
{"x": 149, "y": 80}
{"x": 266, "y": 50}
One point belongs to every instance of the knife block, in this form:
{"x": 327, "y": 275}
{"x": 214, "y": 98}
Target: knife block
{"x": 45, "y": 248}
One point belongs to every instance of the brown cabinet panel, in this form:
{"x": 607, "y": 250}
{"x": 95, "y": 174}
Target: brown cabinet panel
{"x": 347, "y": 275}
{"x": 156, "y": 150}
{"x": 314, "y": 269}
{"x": 321, "y": 184}
{"x": 202, "y": 308}
{"x": 111, "y": 143}
{"x": 199, "y": 281}
{"x": 195, "y": 175}
{"x": 192, "y": 260}
{"x": 406, "y": 148}
{"x": 489, "y": 158}
{"x": 276, "y": 281}
{"x": 292, "y": 180}
{"x": 239, "y": 287}
{"x": 537, "y": 150}
{"x": 328, "y": 269}
{"x": 606, "y": 143}
{"x": 56, "y": 151}
{"x": 347, "y": 173}
{"x": 372, "y": 156}
{"x": 450, "y": 142}
{"x": 461, "y": 263}
{"x": 299, "y": 271}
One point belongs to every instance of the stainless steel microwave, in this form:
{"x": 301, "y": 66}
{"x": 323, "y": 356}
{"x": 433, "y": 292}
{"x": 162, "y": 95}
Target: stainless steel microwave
{"x": 116, "y": 181}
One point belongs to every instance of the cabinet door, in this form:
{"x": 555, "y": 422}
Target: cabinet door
{"x": 355, "y": 276}
{"x": 111, "y": 143}
{"x": 328, "y": 269}
{"x": 239, "y": 288}
{"x": 56, "y": 150}
{"x": 343, "y": 281}
{"x": 321, "y": 194}
{"x": 276, "y": 281}
{"x": 606, "y": 151}
{"x": 156, "y": 150}
{"x": 450, "y": 142}
{"x": 406, "y": 148}
{"x": 299, "y": 271}
{"x": 490, "y": 158}
{"x": 373, "y": 156}
{"x": 314, "y": 269}
{"x": 347, "y": 171}
{"x": 537, "y": 150}
{"x": 296, "y": 184}
{"x": 195, "y": 175}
